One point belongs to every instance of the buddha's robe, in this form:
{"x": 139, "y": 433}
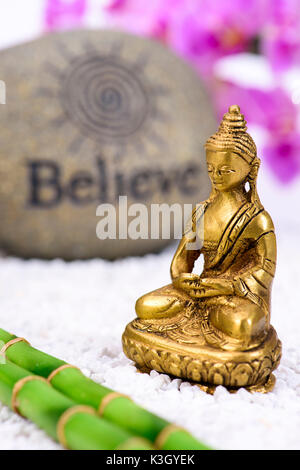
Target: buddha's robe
{"x": 246, "y": 256}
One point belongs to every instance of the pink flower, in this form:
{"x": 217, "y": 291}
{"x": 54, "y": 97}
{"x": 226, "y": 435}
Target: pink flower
{"x": 283, "y": 156}
{"x": 281, "y": 38}
{"x": 64, "y": 14}
{"x": 148, "y": 18}
{"x": 205, "y": 30}
{"x": 273, "y": 111}
{"x": 283, "y": 49}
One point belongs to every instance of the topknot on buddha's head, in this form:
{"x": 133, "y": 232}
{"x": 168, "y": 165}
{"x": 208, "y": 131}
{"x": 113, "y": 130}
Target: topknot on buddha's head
{"x": 232, "y": 135}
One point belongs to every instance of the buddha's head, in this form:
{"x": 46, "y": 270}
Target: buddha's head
{"x": 231, "y": 154}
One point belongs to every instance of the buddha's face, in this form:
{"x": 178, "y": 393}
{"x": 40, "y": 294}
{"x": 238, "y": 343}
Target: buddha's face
{"x": 226, "y": 169}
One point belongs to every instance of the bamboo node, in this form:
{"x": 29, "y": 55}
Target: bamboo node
{"x": 59, "y": 369}
{"x": 11, "y": 342}
{"x": 60, "y": 429}
{"x": 133, "y": 442}
{"x": 17, "y": 388}
{"x": 165, "y": 434}
{"x": 107, "y": 399}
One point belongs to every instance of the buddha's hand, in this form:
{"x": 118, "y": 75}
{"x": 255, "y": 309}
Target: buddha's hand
{"x": 209, "y": 287}
{"x": 186, "y": 281}
{"x": 198, "y": 287}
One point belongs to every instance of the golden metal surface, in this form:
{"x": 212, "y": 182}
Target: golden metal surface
{"x": 214, "y": 328}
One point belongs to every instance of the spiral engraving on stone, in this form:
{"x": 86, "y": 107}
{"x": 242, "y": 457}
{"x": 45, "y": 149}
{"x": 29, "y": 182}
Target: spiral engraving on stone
{"x": 105, "y": 98}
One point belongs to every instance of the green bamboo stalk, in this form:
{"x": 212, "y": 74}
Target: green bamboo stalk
{"x": 121, "y": 410}
{"x": 42, "y": 404}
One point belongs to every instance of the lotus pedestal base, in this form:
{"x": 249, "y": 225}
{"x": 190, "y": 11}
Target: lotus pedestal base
{"x": 205, "y": 365}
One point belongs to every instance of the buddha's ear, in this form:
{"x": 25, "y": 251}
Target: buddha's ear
{"x": 254, "y": 168}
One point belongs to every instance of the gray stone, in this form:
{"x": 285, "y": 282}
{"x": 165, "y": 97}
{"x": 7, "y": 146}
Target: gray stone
{"x": 89, "y": 116}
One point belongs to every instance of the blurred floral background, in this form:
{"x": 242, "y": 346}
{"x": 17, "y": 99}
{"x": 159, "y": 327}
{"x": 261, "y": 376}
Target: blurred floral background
{"x": 216, "y": 35}
{"x": 246, "y": 51}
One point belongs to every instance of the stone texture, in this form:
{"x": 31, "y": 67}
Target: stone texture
{"x": 89, "y": 116}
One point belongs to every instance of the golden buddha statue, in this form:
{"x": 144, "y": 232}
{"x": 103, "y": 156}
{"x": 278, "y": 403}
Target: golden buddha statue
{"x": 214, "y": 328}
